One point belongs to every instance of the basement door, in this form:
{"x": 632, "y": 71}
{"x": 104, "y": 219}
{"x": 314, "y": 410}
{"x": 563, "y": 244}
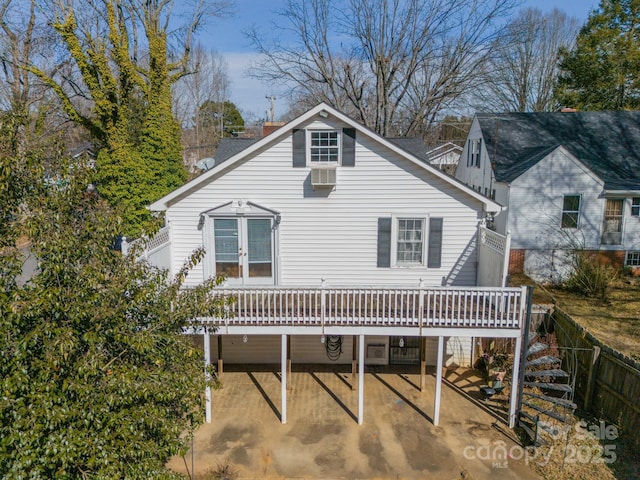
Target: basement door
{"x": 244, "y": 250}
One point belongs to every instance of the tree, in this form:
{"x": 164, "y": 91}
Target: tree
{"x": 522, "y": 72}
{"x": 224, "y": 116}
{"x": 392, "y": 64}
{"x": 120, "y": 91}
{"x": 602, "y": 71}
{"x": 96, "y": 379}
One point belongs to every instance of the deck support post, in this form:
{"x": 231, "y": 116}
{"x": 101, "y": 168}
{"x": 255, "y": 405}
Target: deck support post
{"x": 206, "y": 340}
{"x": 423, "y": 363}
{"x": 354, "y": 362}
{"x": 360, "y": 379}
{"x": 220, "y": 363}
{"x": 436, "y": 406}
{"x": 289, "y": 383}
{"x": 283, "y": 379}
{"x": 513, "y": 401}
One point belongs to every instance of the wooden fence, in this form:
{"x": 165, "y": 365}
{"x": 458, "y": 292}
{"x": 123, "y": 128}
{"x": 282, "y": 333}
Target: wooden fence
{"x": 607, "y": 382}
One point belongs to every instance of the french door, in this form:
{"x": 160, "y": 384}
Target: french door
{"x": 244, "y": 250}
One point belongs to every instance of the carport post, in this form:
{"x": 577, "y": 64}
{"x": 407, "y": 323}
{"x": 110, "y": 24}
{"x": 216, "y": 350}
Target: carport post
{"x": 220, "y": 363}
{"x": 354, "y": 362}
{"x": 289, "y": 362}
{"x": 361, "y": 380}
{"x": 207, "y": 361}
{"x": 423, "y": 363}
{"x": 436, "y": 407}
{"x": 515, "y": 375}
{"x": 283, "y": 379}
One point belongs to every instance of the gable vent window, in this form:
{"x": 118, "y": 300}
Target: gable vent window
{"x": 473, "y": 152}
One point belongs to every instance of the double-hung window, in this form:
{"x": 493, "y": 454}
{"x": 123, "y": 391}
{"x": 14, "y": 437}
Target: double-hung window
{"x": 570, "y": 211}
{"x": 473, "y": 155}
{"x": 410, "y": 241}
{"x": 635, "y": 206}
{"x": 324, "y": 147}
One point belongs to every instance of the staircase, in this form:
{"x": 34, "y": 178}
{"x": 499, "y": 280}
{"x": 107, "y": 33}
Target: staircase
{"x": 548, "y": 387}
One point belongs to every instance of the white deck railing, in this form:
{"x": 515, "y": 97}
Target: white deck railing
{"x": 447, "y": 307}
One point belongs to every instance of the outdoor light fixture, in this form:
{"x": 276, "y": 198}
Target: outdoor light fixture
{"x": 401, "y": 342}
{"x": 244, "y": 339}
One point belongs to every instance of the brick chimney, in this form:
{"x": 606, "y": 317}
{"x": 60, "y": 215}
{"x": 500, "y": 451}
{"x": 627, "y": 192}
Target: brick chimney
{"x": 268, "y": 127}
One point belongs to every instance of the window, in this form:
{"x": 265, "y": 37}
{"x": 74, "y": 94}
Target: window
{"x": 473, "y": 155}
{"x": 632, "y": 259}
{"x": 613, "y": 219}
{"x": 635, "y": 206}
{"x": 410, "y": 241}
{"x": 324, "y": 147}
{"x": 570, "y": 211}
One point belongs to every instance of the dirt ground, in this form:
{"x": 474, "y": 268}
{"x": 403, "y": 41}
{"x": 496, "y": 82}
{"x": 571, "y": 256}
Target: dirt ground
{"x": 322, "y": 438}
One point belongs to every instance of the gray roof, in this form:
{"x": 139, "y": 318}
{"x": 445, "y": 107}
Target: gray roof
{"x": 413, "y": 145}
{"x": 608, "y": 143}
{"x": 228, "y": 147}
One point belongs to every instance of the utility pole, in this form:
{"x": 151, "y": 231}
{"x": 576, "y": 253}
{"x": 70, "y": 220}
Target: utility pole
{"x": 272, "y": 109}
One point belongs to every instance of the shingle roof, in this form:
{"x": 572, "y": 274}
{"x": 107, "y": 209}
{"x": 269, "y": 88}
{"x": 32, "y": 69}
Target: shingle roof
{"x": 608, "y": 143}
{"x": 228, "y": 147}
{"x": 413, "y": 145}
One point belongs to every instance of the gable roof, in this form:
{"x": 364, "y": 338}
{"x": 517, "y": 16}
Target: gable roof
{"x": 608, "y": 143}
{"x": 228, "y": 147}
{"x": 230, "y": 162}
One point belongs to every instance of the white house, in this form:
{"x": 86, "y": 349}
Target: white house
{"x": 568, "y": 180}
{"x": 340, "y": 246}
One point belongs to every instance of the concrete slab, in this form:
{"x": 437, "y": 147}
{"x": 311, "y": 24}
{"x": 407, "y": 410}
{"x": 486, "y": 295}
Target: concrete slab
{"x": 323, "y": 440}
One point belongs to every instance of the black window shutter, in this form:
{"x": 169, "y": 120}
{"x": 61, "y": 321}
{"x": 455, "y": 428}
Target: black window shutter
{"x": 468, "y": 152}
{"x": 435, "y": 243}
{"x": 299, "y": 150}
{"x": 348, "y": 147}
{"x": 384, "y": 242}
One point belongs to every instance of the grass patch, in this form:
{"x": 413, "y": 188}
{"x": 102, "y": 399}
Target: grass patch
{"x": 615, "y": 322}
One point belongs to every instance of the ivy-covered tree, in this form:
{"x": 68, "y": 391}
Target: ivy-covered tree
{"x": 96, "y": 379}
{"x": 602, "y": 71}
{"x": 119, "y": 89}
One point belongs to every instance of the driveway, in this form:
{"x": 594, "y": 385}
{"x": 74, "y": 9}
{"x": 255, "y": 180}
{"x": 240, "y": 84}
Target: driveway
{"x": 323, "y": 440}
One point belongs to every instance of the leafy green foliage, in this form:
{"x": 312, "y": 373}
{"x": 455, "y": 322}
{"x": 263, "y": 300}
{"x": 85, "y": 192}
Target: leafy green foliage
{"x": 602, "y": 71}
{"x": 213, "y": 113}
{"x": 96, "y": 379}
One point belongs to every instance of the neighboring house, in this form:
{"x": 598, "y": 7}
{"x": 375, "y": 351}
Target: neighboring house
{"x": 328, "y": 233}
{"x": 445, "y": 157}
{"x": 568, "y": 180}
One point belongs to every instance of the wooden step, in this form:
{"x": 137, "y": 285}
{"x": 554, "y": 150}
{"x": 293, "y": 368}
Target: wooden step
{"x": 555, "y": 372}
{"x": 543, "y": 361}
{"x": 561, "y": 387}
{"x": 556, "y": 400}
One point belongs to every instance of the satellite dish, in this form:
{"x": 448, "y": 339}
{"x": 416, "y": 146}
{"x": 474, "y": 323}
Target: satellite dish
{"x": 206, "y": 163}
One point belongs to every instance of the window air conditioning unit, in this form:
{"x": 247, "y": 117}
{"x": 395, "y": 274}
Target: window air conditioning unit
{"x": 376, "y": 351}
{"x": 323, "y": 177}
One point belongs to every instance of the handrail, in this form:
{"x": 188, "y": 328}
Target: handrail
{"x": 423, "y": 307}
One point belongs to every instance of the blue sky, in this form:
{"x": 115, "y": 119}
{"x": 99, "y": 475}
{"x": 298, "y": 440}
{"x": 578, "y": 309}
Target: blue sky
{"x": 226, "y": 36}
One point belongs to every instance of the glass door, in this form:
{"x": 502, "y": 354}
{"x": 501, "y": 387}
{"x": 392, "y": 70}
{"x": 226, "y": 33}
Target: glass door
{"x": 612, "y": 227}
{"x": 244, "y": 250}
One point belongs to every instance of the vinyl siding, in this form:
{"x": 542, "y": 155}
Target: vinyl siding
{"x": 333, "y": 235}
{"x": 536, "y": 200}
